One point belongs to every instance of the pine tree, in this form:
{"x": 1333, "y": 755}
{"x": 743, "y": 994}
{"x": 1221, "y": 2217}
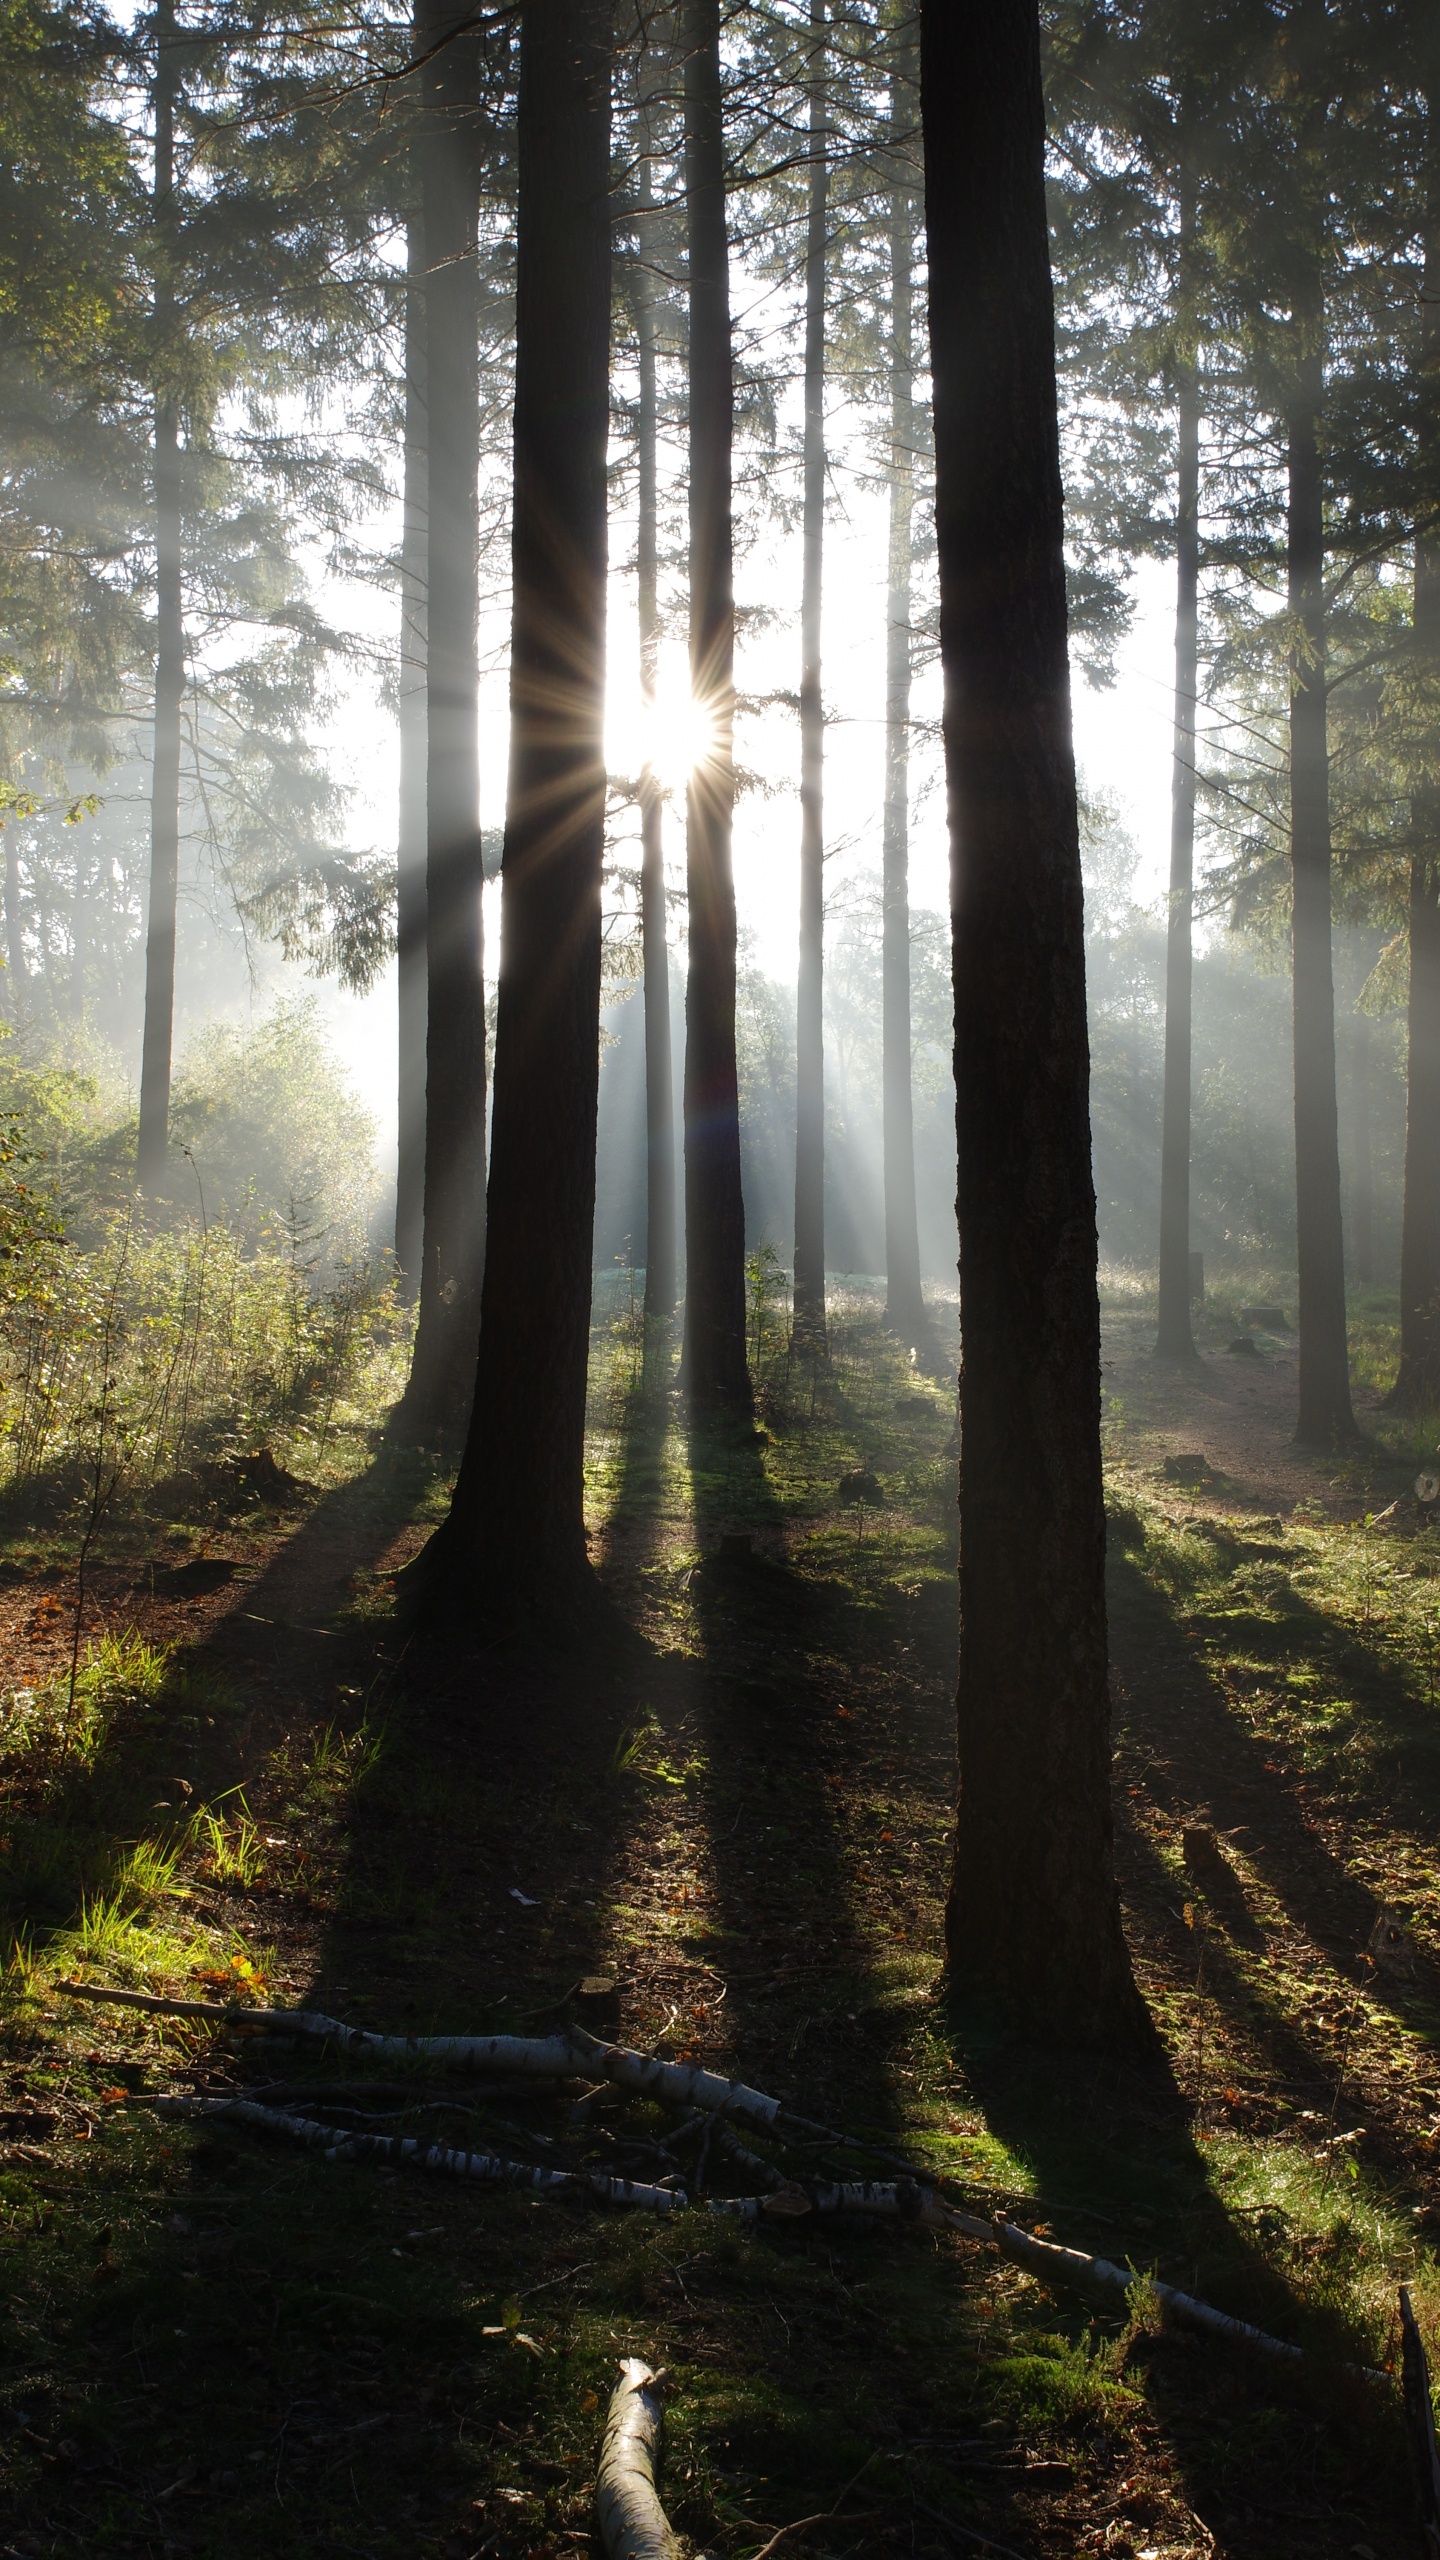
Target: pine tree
{"x": 438, "y": 1395}
{"x": 905, "y": 1310}
{"x": 659, "y": 1097}
{"x": 412, "y": 1006}
{"x": 1032, "y": 1922}
{"x": 715, "y": 1365}
{"x": 515, "y": 1538}
{"x": 810, "y": 989}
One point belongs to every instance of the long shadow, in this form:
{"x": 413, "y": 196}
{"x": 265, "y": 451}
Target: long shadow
{"x": 1200, "y": 1755}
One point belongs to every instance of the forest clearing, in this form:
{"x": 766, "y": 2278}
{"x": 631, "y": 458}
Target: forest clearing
{"x": 736, "y": 1817}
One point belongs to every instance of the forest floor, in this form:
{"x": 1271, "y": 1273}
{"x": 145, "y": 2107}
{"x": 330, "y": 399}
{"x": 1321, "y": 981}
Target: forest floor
{"x": 736, "y": 1811}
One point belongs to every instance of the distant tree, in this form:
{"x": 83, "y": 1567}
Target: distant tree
{"x": 905, "y": 1309}
{"x": 515, "y": 1537}
{"x": 715, "y": 1359}
{"x": 1032, "y": 1922}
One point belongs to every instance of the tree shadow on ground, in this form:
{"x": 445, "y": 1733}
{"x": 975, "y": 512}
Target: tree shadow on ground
{"x": 1195, "y": 1756}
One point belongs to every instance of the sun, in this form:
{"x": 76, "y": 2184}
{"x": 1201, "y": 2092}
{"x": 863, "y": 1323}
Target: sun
{"x": 671, "y": 736}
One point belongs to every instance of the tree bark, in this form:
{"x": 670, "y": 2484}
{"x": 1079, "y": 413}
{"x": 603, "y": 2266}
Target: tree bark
{"x": 437, "y": 1399}
{"x": 158, "y": 1033}
{"x": 1325, "y": 1414}
{"x": 1175, "y": 1339}
{"x": 515, "y": 1539}
{"x": 410, "y": 867}
{"x": 1032, "y": 1920}
{"x": 715, "y": 1370}
{"x": 659, "y": 1093}
{"x": 905, "y": 1310}
{"x": 809, "y": 1324}
{"x": 1417, "y": 1386}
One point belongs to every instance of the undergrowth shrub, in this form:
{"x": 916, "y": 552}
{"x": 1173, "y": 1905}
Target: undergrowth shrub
{"x": 136, "y": 1346}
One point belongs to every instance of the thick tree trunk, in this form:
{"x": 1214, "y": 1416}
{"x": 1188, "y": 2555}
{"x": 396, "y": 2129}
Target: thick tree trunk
{"x": 410, "y": 867}
{"x": 515, "y": 1540}
{"x": 810, "y": 987}
{"x": 158, "y": 1033}
{"x": 442, "y": 1378}
{"x": 715, "y": 1370}
{"x": 905, "y": 1309}
{"x": 659, "y": 1093}
{"x": 1417, "y": 1387}
{"x": 1175, "y": 1340}
{"x": 1032, "y": 1922}
{"x": 1324, "y": 1407}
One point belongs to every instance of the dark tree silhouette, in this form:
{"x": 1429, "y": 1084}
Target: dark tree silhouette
{"x": 810, "y": 985}
{"x": 436, "y": 1401}
{"x": 715, "y": 1369}
{"x": 515, "y": 1538}
{"x": 1032, "y": 1921}
{"x": 1175, "y": 1338}
{"x": 659, "y": 1095}
{"x": 410, "y": 863}
{"x": 1417, "y": 1387}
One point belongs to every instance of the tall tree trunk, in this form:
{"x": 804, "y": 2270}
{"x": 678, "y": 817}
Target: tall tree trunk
{"x": 1363, "y": 1189}
{"x": 659, "y": 1090}
{"x": 905, "y": 1309}
{"x": 1032, "y": 1920}
{"x": 157, "y": 1036}
{"x": 1175, "y": 1340}
{"x": 410, "y": 867}
{"x": 515, "y": 1539}
{"x": 810, "y": 987}
{"x": 1417, "y": 1387}
{"x": 715, "y": 1369}
{"x": 442, "y": 1379}
{"x": 1324, "y": 1406}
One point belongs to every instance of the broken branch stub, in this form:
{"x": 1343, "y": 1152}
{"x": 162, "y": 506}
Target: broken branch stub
{"x": 633, "y": 2524}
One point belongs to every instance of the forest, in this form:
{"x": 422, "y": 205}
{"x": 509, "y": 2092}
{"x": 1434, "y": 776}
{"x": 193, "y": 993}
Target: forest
{"x": 720, "y": 1279}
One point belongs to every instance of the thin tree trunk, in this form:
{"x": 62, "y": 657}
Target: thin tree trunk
{"x": 14, "y": 924}
{"x": 905, "y": 1309}
{"x": 1032, "y": 1921}
{"x": 1363, "y": 1193}
{"x": 410, "y": 868}
{"x": 79, "y": 916}
{"x": 157, "y": 1036}
{"x": 659, "y": 1093}
{"x": 1417, "y": 1387}
{"x": 516, "y": 1535}
{"x": 810, "y": 987}
{"x": 1175, "y": 1340}
{"x": 715, "y": 1368}
{"x": 438, "y": 1398}
{"x": 1324, "y": 1407}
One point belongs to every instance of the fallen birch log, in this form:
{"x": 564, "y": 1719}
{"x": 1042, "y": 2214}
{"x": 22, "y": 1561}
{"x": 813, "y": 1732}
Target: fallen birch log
{"x": 556, "y": 2057}
{"x": 1071, "y": 2266}
{"x": 633, "y": 2524}
{"x": 487, "y": 2167}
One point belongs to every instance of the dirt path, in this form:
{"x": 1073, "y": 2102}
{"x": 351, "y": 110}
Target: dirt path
{"x": 1238, "y": 1412}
